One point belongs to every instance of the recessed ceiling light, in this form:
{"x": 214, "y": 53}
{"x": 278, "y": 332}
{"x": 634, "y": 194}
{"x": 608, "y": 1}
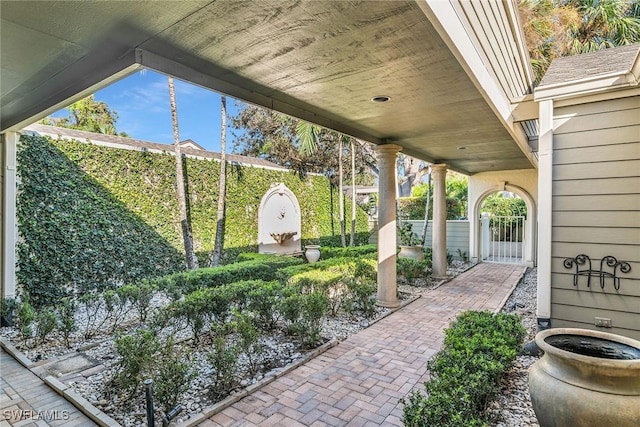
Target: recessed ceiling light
{"x": 381, "y": 98}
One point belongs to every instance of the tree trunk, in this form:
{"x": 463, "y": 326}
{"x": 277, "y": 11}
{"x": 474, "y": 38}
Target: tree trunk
{"x": 353, "y": 193}
{"x": 222, "y": 187}
{"x": 192, "y": 261}
{"x": 343, "y": 231}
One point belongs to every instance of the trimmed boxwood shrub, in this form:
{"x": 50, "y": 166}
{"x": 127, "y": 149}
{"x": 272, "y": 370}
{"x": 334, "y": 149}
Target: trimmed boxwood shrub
{"x": 277, "y": 261}
{"x": 211, "y": 277}
{"x": 411, "y": 269}
{"x": 349, "y": 251}
{"x": 263, "y": 267}
{"x": 479, "y": 346}
{"x": 287, "y": 272}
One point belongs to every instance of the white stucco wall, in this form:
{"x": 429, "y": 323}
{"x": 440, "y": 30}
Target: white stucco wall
{"x": 9, "y": 225}
{"x": 524, "y": 183}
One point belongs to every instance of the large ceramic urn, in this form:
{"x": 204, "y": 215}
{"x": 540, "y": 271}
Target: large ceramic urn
{"x": 586, "y": 378}
{"x": 312, "y": 253}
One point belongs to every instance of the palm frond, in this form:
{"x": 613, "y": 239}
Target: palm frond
{"x": 307, "y": 134}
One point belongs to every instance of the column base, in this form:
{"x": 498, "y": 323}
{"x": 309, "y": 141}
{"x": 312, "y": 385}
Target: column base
{"x": 388, "y": 304}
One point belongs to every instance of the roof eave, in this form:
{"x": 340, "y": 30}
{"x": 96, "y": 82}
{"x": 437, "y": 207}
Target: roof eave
{"x": 589, "y": 86}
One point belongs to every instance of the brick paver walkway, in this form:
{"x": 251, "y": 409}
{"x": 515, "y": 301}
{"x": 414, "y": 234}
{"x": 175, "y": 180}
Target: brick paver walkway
{"x": 360, "y": 381}
{"x": 27, "y": 401}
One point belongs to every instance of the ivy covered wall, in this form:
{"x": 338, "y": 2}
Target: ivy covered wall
{"x": 94, "y": 217}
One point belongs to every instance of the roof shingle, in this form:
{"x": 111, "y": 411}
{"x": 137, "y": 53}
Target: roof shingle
{"x": 603, "y": 62}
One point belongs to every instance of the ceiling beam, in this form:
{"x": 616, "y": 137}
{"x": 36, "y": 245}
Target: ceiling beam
{"x": 79, "y": 80}
{"x": 217, "y": 79}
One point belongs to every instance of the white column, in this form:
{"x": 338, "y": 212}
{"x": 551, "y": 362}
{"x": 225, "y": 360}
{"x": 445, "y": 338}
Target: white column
{"x": 439, "y": 236}
{"x": 386, "y": 155}
{"x": 9, "y": 144}
{"x": 545, "y": 181}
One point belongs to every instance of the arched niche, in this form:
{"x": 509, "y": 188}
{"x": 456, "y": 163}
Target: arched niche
{"x": 529, "y": 247}
{"x": 279, "y": 222}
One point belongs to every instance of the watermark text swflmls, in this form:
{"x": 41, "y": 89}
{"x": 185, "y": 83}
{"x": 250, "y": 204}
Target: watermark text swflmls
{"x": 30, "y": 414}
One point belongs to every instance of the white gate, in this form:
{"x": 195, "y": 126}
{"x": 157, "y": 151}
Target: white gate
{"x": 502, "y": 238}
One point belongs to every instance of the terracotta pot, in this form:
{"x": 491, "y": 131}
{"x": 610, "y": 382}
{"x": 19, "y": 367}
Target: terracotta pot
{"x": 414, "y": 252}
{"x": 586, "y": 378}
{"x": 312, "y": 253}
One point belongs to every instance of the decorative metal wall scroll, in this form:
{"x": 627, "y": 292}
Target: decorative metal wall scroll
{"x": 608, "y": 261}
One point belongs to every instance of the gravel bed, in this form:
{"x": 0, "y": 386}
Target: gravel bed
{"x": 512, "y": 407}
{"x": 418, "y": 286}
{"x": 277, "y": 351}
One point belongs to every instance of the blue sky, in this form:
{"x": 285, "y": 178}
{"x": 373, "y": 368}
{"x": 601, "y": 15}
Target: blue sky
{"x": 142, "y": 103}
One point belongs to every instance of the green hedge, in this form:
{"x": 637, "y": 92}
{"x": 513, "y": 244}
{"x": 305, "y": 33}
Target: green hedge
{"x": 349, "y": 251}
{"x": 277, "y": 261}
{"x": 75, "y": 233}
{"x": 145, "y": 182}
{"x": 284, "y": 274}
{"x": 479, "y": 347}
{"x": 96, "y": 217}
{"x": 413, "y": 208}
{"x": 263, "y": 267}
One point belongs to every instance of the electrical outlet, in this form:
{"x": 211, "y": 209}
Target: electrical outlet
{"x": 602, "y": 322}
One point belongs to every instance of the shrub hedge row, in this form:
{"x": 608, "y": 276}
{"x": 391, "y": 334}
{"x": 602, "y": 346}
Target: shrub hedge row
{"x": 256, "y": 267}
{"x": 479, "y": 346}
{"x": 349, "y": 251}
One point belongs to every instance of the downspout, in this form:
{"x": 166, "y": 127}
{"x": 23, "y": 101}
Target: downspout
{"x": 545, "y": 211}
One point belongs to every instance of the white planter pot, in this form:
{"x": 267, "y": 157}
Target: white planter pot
{"x": 414, "y": 252}
{"x": 312, "y": 253}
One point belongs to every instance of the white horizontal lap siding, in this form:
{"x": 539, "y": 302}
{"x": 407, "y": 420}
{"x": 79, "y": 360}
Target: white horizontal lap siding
{"x": 629, "y": 285}
{"x": 579, "y": 317}
{"x": 624, "y": 219}
{"x": 596, "y": 211}
{"x": 457, "y": 235}
{"x": 596, "y": 251}
{"x": 597, "y": 186}
{"x": 596, "y": 137}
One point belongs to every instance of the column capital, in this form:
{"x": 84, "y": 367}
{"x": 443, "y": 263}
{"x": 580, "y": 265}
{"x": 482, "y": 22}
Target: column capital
{"x": 388, "y": 149}
{"x": 439, "y": 167}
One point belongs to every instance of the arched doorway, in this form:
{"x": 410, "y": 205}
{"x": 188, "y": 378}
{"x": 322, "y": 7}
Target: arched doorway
{"x": 502, "y": 228}
{"x": 504, "y": 238}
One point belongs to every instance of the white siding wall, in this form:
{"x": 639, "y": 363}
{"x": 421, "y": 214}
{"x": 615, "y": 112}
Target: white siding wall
{"x": 596, "y": 211}
{"x": 457, "y": 235}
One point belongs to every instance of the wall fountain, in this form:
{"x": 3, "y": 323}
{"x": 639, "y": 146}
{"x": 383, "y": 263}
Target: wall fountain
{"x": 279, "y": 222}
